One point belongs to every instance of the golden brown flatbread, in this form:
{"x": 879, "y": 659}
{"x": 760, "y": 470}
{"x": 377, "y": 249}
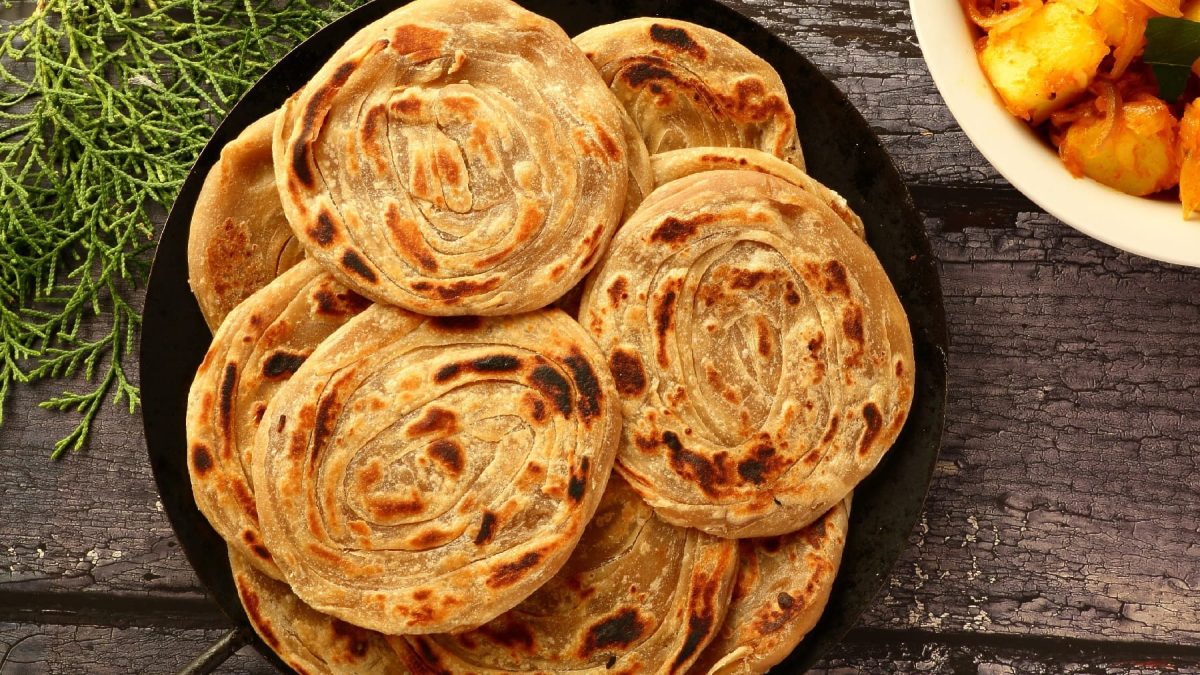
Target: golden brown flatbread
{"x": 262, "y": 342}
{"x": 676, "y": 164}
{"x": 689, "y": 86}
{"x": 763, "y": 358}
{"x": 456, "y": 157}
{"x": 638, "y": 595}
{"x": 782, "y": 586}
{"x": 423, "y": 475}
{"x": 308, "y": 641}
{"x": 239, "y": 238}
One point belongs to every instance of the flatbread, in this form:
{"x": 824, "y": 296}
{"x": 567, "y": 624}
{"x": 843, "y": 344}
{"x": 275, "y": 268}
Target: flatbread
{"x": 456, "y": 157}
{"x": 638, "y": 595}
{"x": 763, "y": 358}
{"x": 676, "y": 164}
{"x": 424, "y": 475}
{"x": 782, "y": 586}
{"x": 239, "y": 238}
{"x": 688, "y": 86}
{"x": 258, "y": 347}
{"x": 309, "y": 642}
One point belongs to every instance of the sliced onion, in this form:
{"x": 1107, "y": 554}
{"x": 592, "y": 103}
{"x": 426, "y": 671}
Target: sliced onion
{"x": 998, "y": 19}
{"x": 1129, "y": 48}
{"x": 1164, "y": 7}
{"x": 1108, "y": 101}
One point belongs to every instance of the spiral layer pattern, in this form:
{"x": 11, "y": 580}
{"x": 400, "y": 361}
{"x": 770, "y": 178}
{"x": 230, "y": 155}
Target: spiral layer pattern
{"x": 454, "y": 159}
{"x": 422, "y": 475}
{"x": 763, "y": 359}
{"x": 258, "y": 347}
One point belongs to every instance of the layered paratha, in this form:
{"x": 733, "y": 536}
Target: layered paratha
{"x": 782, "y": 586}
{"x": 455, "y": 157}
{"x": 676, "y": 164}
{"x": 239, "y": 239}
{"x": 763, "y": 358}
{"x": 689, "y": 86}
{"x": 258, "y": 347}
{"x": 422, "y": 475}
{"x": 309, "y": 642}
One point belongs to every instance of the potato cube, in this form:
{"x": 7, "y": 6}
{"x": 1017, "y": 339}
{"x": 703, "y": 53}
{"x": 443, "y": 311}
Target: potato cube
{"x": 1043, "y": 63}
{"x": 1137, "y": 153}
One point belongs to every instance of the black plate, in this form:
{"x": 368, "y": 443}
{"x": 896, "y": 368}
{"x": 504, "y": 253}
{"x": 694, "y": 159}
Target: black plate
{"x": 840, "y": 151}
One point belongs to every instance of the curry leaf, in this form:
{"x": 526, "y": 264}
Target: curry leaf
{"x": 1172, "y": 46}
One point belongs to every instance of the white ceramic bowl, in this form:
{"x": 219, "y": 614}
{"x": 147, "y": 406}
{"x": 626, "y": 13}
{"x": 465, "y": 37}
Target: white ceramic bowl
{"x": 1150, "y": 228}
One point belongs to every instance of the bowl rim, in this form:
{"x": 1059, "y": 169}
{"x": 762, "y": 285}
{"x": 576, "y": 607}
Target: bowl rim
{"x": 1145, "y": 227}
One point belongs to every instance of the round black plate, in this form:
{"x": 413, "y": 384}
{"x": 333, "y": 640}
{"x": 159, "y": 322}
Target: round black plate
{"x": 840, "y": 150}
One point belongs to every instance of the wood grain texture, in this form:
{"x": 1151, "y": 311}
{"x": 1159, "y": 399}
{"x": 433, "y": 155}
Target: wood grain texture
{"x": 1066, "y": 500}
{"x": 874, "y": 651}
{"x": 90, "y": 523}
{"x": 1066, "y": 505}
{"x": 30, "y": 649}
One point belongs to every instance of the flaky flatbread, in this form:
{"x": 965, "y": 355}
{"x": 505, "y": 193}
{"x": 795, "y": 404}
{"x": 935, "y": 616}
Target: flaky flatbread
{"x": 689, "y": 86}
{"x": 782, "y": 586}
{"x": 239, "y": 239}
{"x": 310, "y": 642}
{"x": 763, "y": 358}
{"x": 258, "y": 347}
{"x": 676, "y": 164}
{"x": 423, "y": 475}
{"x": 456, "y": 157}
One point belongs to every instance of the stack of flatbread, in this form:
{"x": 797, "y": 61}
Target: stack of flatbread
{"x": 535, "y": 355}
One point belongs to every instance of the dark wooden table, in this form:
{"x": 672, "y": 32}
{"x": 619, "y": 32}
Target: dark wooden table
{"x": 1062, "y": 529}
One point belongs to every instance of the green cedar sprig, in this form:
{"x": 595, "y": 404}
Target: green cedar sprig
{"x": 104, "y": 107}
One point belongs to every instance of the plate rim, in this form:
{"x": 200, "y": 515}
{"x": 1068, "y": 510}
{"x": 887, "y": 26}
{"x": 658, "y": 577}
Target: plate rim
{"x": 933, "y": 335}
